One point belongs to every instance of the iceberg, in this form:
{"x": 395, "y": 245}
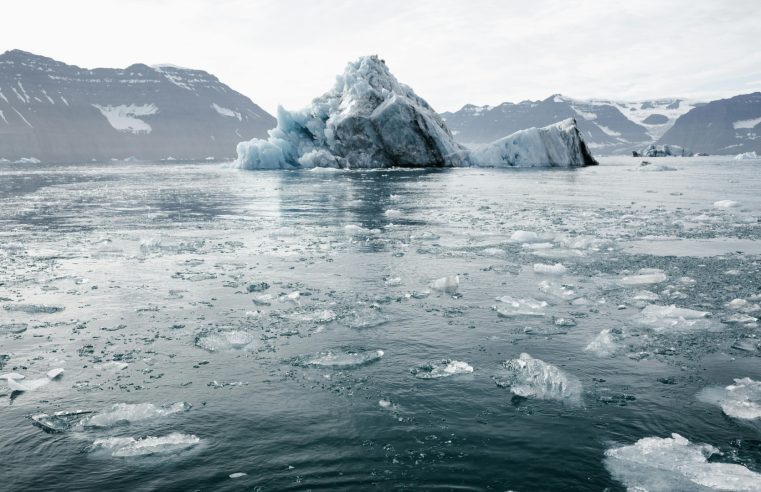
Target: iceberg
{"x": 371, "y": 120}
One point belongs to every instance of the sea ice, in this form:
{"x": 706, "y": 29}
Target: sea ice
{"x": 13, "y": 328}
{"x": 557, "y": 290}
{"x": 512, "y": 307}
{"x": 227, "y": 340}
{"x": 59, "y": 421}
{"x": 370, "y": 120}
{"x": 741, "y": 400}
{"x": 441, "y": 369}
{"x": 725, "y": 204}
{"x": 662, "y": 318}
{"x": 667, "y": 464}
{"x": 447, "y": 285}
{"x": 33, "y": 308}
{"x": 340, "y": 359}
{"x": 534, "y": 378}
{"x": 556, "y": 269}
{"x": 129, "y": 446}
{"x": 121, "y": 413}
{"x": 603, "y": 345}
{"x": 54, "y": 373}
{"x": 645, "y": 276}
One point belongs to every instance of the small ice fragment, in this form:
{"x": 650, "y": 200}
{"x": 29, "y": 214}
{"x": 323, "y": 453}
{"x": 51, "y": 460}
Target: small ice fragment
{"x": 557, "y": 290}
{"x": 129, "y": 446}
{"x": 241, "y": 474}
{"x": 12, "y": 375}
{"x": 534, "y": 378}
{"x": 671, "y": 317}
{"x": 556, "y": 269}
{"x": 384, "y": 403}
{"x": 262, "y": 299}
{"x": 645, "y": 276}
{"x": 55, "y": 373}
{"x": 393, "y": 213}
{"x": 113, "y": 365}
{"x": 393, "y": 281}
{"x": 448, "y": 285}
{"x": 33, "y": 308}
{"x": 524, "y": 237}
{"x": 340, "y": 359}
{"x": 511, "y": 307}
{"x": 603, "y": 345}
{"x": 726, "y": 204}
{"x": 442, "y": 369}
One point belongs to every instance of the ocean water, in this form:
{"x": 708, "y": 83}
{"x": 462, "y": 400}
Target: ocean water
{"x": 365, "y": 330}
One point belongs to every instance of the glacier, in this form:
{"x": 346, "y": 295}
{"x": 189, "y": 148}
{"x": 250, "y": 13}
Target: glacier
{"x": 371, "y": 120}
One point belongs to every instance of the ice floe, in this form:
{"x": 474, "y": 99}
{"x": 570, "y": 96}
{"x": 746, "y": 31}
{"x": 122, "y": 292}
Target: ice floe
{"x": 741, "y": 400}
{"x": 33, "y": 308}
{"x": 512, "y": 307}
{"x": 657, "y": 464}
{"x": 556, "y": 269}
{"x": 448, "y": 285}
{"x": 645, "y": 276}
{"x": 218, "y": 341}
{"x": 533, "y": 378}
{"x": 603, "y": 345}
{"x": 441, "y": 369}
{"x": 339, "y": 359}
{"x": 661, "y": 318}
{"x": 150, "y": 445}
{"x": 725, "y": 204}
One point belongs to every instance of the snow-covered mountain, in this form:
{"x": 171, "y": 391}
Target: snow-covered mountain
{"x": 57, "y": 112}
{"x": 607, "y": 126}
{"x": 726, "y": 126}
{"x": 371, "y": 120}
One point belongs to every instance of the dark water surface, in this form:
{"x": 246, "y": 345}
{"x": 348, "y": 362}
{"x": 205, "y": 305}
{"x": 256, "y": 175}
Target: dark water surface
{"x": 158, "y": 266}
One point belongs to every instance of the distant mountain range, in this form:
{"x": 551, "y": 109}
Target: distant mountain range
{"x": 56, "y": 112}
{"x": 727, "y": 126}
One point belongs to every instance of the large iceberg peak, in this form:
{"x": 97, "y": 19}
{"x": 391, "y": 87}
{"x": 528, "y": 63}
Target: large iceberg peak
{"x": 371, "y": 120}
{"x": 368, "y": 120}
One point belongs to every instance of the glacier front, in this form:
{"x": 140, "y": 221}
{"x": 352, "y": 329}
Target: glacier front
{"x": 371, "y": 120}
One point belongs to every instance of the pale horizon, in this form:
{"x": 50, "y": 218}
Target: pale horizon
{"x": 451, "y": 53}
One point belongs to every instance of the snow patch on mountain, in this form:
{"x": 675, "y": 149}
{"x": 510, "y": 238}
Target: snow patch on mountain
{"x": 125, "y": 117}
{"x": 226, "y": 112}
{"x": 746, "y": 123}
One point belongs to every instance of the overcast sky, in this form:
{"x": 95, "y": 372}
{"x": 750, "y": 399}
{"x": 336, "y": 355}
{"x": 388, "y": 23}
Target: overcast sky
{"x": 452, "y": 52}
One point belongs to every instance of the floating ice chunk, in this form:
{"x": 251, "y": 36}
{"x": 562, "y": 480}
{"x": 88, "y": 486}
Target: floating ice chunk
{"x": 741, "y": 400}
{"x": 672, "y": 318}
{"x": 393, "y": 281}
{"x": 12, "y": 375}
{"x": 59, "y": 421}
{"x": 113, "y": 365}
{"x": 743, "y": 306}
{"x": 512, "y": 307}
{"x": 657, "y": 464}
{"x": 493, "y": 252}
{"x": 747, "y": 156}
{"x": 355, "y": 230}
{"x": 291, "y": 297}
{"x": 262, "y": 299}
{"x": 340, "y": 359}
{"x": 725, "y": 204}
{"x": 534, "y": 378}
{"x": 603, "y": 345}
{"x": 646, "y": 276}
{"x": 241, "y": 474}
{"x": 525, "y": 237}
{"x": 442, "y": 369}
{"x": 556, "y": 269}
{"x": 55, "y": 373}
{"x": 448, "y": 285}
{"x": 537, "y": 246}
{"x": 557, "y": 290}
{"x": 655, "y": 167}
{"x": 227, "y": 340}
{"x": 33, "y": 308}
{"x": 13, "y": 328}
{"x": 27, "y": 385}
{"x": 121, "y": 413}
{"x": 645, "y": 295}
{"x": 393, "y": 213}
{"x": 129, "y": 446}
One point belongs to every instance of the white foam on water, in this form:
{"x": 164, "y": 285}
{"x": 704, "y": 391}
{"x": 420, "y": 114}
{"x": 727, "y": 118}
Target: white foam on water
{"x": 673, "y": 463}
{"x": 534, "y": 378}
{"x": 129, "y": 446}
{"x": 120, "y": 413}
{"x": 741, "y": 400}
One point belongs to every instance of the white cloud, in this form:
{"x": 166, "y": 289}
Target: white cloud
{"x": 452, "y": 52}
